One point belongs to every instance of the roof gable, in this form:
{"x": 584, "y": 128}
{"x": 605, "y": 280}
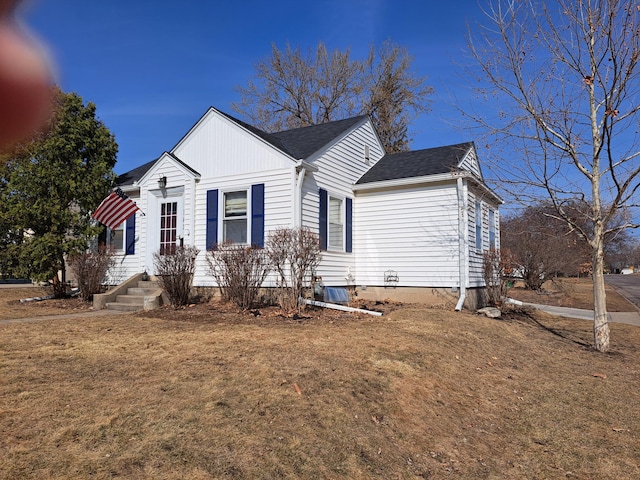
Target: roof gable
{"x": 417, "y": 163}
{"x": 298, "y": 143}
{"x": 172, "y": 159}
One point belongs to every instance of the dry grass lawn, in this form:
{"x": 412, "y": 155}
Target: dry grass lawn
{"x": 419, "y": 393}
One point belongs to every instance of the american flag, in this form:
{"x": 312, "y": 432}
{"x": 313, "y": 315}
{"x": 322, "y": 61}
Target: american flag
{"x": 115, "y": 209}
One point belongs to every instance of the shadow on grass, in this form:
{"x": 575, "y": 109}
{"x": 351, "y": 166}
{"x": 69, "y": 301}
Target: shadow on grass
{"x": 570, "y": 335}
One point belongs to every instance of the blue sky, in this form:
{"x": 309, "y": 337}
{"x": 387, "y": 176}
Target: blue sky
{"x": 154, "y": 67}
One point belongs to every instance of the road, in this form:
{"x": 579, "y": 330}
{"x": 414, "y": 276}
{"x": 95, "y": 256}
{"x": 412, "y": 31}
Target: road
{"x": 626, "y": 285}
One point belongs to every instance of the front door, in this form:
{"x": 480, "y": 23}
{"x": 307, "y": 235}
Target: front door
{"x": 166, "y": 226}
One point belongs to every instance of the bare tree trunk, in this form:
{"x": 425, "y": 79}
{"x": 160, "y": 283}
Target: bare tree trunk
{"x": 600, "y": 317}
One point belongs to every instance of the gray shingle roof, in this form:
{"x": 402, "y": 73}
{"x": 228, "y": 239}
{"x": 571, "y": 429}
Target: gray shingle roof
{"x": 417, "y": 163}
{"x": 137, "y": 173}
{"x": 305, "y": 141}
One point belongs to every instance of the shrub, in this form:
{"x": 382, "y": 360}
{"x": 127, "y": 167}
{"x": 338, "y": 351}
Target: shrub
{"x": 495, "y": 265}
{"x": 175, "y": 272}
{"x": 239, "y": 271}
{"x": 90, "y": 269}
{"x": 293, "y": 254}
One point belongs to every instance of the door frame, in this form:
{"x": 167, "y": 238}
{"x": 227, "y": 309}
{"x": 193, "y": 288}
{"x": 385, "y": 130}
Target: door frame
{"x": 155, "y": 199}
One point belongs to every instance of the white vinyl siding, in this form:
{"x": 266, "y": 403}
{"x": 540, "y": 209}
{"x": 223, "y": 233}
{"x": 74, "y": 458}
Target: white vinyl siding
{"x": 412, "y": 231}
{"x": 481, "y": 232}
{"x": 278, "y": 208}
{"x": 470, "y": 163}
{"x": 218, "y": 147}
{"x": 339, "y": 167}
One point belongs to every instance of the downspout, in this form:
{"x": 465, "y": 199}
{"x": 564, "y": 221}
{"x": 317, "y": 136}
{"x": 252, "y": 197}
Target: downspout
{"x": 297, "y": 221}
{"x": 462, "y": 243}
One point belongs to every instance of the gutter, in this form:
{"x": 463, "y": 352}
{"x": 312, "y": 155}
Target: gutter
{"x": 440, "y": 177}
{"x": 405, "y": 182}
{"x": 462, "y": 243}
{"x": 300, "y": 169}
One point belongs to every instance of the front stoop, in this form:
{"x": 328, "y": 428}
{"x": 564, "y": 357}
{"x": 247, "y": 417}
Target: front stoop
{"x": 147, "y": 295}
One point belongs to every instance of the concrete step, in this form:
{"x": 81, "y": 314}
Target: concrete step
{"x": 142, "y": 291}
{"x": 123, "y": 307}
{"x": 146, "y": 295}
{"x": 131, "y": 299}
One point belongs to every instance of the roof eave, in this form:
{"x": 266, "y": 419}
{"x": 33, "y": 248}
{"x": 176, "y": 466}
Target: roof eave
{"x": 483, "y": 186}
{"x": 440, "y": 177}
{"x": 406, "y": 182}
{"x": 307, "y": 166}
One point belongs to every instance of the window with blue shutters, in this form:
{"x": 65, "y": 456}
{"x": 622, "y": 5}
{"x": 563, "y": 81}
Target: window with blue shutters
{"x": 236, "y": 216}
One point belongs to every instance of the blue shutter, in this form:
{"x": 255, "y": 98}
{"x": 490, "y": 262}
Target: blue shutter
{"x": 257, "y": 215}
{"x": 349, "y": 227}
{"x": 322, "y": 221}
{"x": 130, "y": 237}
{"x": 212, "y": 219}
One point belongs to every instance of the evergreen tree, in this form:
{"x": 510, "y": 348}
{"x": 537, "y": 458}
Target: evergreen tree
{"x": 48, "y": 188}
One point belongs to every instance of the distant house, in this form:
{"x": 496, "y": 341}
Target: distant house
{"x": 410, "y": 226}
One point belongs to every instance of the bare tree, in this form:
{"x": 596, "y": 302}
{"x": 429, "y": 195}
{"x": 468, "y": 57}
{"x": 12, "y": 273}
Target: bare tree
{"x": 293, "y": 89}
{"x": 393, "y": 95}
{"x": 564, "y": 75}
{"x": 542, "y": 245}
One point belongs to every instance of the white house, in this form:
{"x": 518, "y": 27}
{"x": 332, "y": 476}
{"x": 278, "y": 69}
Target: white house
{"x": 407, "y": 226}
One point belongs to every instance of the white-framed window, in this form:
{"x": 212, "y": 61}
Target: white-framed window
{"x": 116, "y": 238}
{"x": 336, "y": 223}
{"x": 478, "y": 225}
{"x": 235, "y": 219}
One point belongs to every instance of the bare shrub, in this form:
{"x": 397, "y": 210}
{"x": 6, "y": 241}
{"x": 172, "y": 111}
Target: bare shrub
{"x": 495, "y": 266}
{"x": 239, "y": 271}
{"x": 293, "y": 254}
{"x": 175, "y": 270}
{"x": 90, "y": 269}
